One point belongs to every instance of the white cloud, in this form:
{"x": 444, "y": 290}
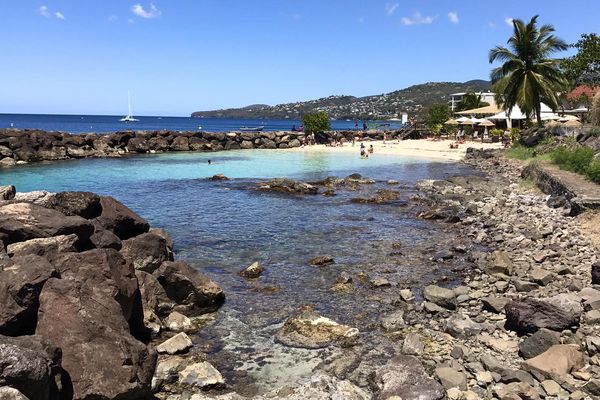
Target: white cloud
{"x": 59, "y": 15}
{"x": 140, "y": 11}
{"x": 509, "y": 21}
{"x": 43, "y": 11}
{"x": 390, "y": 8}
{"x": 453, "y": 17}
{"x": 417, "y": 19}
{"x": 112, "y": 18}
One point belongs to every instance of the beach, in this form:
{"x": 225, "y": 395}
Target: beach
{"x": 423, "y": 148}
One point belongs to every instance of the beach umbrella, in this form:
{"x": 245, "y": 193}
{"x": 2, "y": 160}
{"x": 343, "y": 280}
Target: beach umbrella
{"x": 451, "y": 121}
{"x": 467, "y": 121}
{"x": 486, "y": 123}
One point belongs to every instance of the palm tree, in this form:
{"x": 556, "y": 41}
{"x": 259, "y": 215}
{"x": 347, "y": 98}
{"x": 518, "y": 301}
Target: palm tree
{"x": 528, "y": 76}
{"x": 469, "y": 101}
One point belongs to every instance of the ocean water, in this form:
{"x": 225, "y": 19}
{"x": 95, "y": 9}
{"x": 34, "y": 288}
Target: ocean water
{"x": 110, "y": 123}
{"x": 222, "y": 227}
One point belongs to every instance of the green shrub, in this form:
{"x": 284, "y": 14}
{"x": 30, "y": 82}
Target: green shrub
{"x": 468, "y": 130}
{"x": 521, "y": 152}
{"x": 496, "y": 132}
{"x": 316, "y": 122}
{"x": 576, "y": 160}
{"x": 593, "y": 171}
{"x": 515, "y": 134}
{"x": 595, "y": 131}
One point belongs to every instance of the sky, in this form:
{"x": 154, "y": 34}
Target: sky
{"x": 180, "y": 56}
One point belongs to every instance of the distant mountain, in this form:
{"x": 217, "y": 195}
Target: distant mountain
{"x": 412, "y": 100}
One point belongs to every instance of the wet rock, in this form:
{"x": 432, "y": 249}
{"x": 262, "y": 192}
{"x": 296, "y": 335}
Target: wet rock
{"x": 31, "y": 365}
{"x": 167, "y": 371}
{"x": 219, "y": 177}
{"x": 7, "y": 192}
{"x": 528, "y": 316}
{"x": 404, "y": 377}
{"x": 200, "y": 376}
{"x": 560, "y": 359}
{"x": 441, "y": 296}
{"x": 179, "y": 343}
{"x": 178, "y": 322}
{"x": 321, "y": 260}
{"x": 189, "y": 289}
{"x": 81, "y": 204}
{"x": 44, "y": 247}
{"x": 538, "y": 343}
{"x": 21, "y": 281}
{"x": 312, "y": 331}
{"x": 381, "y": 197}
{"x": 252, "y": 272}
{"x": 393, "y": 322}
{"x": 451, "y": 378}
{"x": 146, "y": 251}
{"x": 119, "y": 219}
{"x": 24, "y": 221}
{"x": 288, "y": 186}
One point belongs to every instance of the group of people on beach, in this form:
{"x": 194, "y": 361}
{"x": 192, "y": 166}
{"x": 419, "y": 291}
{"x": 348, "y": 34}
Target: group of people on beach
{"x": 308, "y": 140}
{"x": 364, "y": 152}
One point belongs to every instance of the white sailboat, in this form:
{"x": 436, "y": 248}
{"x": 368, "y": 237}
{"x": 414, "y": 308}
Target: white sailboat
{"x": 129, "y": 116}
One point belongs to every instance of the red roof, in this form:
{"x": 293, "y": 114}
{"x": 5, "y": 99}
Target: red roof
{"x": 583, "y": 90}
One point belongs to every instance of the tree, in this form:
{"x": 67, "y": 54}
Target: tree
{"x": 584, "y": 67}
{"x": 470, "y": 101}
{"x": 316, "y": 122}
{"x": 437, "y": 115}
{"x": 528, "y": 76}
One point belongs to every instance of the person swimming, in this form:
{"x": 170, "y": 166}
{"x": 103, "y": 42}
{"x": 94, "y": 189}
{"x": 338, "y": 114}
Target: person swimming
{"x": 209, "y": 162}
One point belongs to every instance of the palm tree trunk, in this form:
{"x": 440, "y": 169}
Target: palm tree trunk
{"x": 538, "y": 114}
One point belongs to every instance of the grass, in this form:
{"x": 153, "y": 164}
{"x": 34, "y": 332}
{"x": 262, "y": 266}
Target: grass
{"x": 579, "y": 160}
{"x": 523, "y": 153}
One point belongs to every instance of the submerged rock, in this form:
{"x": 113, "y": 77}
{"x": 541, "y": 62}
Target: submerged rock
{"x": 321, "y": 260}
{"x": 252, "y": 272}
{"x": 288, "y": 186}
{"x": 312, "y": 331}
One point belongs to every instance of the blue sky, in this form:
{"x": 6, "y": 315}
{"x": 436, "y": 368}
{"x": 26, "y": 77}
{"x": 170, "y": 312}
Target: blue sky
{"x": 178, "y": 56}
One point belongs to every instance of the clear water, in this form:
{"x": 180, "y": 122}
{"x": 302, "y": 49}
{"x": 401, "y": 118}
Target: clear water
{"x": 222, "y": 227}
{"x": 110, "y": 123}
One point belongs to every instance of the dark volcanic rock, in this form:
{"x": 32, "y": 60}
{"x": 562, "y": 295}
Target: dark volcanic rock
{"x": 82, "y": 204}
{"x": 528, "y": 316}
{"x": 405, "y": 378}
{"x": 596, "y": 273}
{"x": 321, "y": 260}
{"x": 24, "y": 221}
{"x": 21, "y": 281}
{"x": 146, "y": 251}
{"x": 538, "y": 343}
{"x": 7, "y": 192}
{"x": 104, "y": 239}
{"x": 192, "y": 291}
{"x": 381, "y": 197}
{"x": 31, "y": 365}
{"x": 121, "y": 220}
{"x": 81, "y": 316}
{"x": 288, "y": 186}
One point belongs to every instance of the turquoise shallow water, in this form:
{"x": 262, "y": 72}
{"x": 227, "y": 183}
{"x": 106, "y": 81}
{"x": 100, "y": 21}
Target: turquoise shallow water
{"x": 222, "y": 227}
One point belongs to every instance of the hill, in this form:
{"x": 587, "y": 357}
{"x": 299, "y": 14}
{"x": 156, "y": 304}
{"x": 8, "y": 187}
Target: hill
{"x": 412, "y": 100}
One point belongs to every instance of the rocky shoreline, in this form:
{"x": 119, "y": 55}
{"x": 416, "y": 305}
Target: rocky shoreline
{"x": 28, "y": 145}
{"x": 521, "y": 322}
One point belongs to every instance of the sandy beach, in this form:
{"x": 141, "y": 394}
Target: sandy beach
{"x": 407, "y": 148}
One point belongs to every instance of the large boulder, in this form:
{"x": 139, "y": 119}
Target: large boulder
{"x": 81, "y": 204}
{"x": 441, "y": 296}
{"x": 8, "y": 393}
{"x": 560, "y": 359}
{"x": 21, "y": 281}
{"x": 79, "y": 314}
{"x": 529, "y": 315}
{"x": 285, "y": 185}
{"x": 121, "y": 220}
{"x": 192, "y": 291}
{"x": 7, "y": 192}
{"x": 107, "y": 270}
{"x": 146, "y": 251}
{"x": 538, "y": 343}
{"x": 44, "y": 247}
{"x": 31, "y": 365}
{"x": 404, "y": 377}
{"x": 103, "y": 238}
{"x": 24, "y": 221}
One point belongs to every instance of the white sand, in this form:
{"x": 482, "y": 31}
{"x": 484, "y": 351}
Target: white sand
{"x": 424, "y": 148}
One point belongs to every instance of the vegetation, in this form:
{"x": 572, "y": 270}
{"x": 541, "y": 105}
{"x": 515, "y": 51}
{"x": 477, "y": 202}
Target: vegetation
{"x": 496, "y": 132}
{"x": 595, "y": 110}
{"x": 521, "y": 152}
{"x": 316, "y": 122}
{"x": 528, "y": 76}
{"x": 584, "y": 67}
{"x": 437, "y": 115}
{"x": 470, "y": 101}
{"x": 414, "y": 100}
{"x": 515, "y": 134}
{"x": 575, "y": 160}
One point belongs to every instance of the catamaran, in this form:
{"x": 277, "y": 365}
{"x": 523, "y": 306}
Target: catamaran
{"x": 129, "y": 116}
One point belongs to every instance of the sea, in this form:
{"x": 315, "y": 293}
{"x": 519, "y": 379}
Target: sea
{"x": 78, "y": 124}
{"x": 221, "y": 227}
